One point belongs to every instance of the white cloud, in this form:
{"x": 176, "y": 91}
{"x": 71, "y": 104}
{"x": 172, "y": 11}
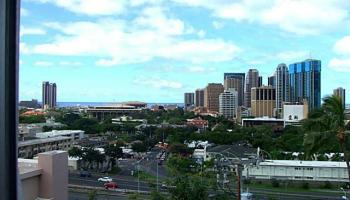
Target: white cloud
{"x": 31, "y": 31}
{"x": 158, "y": 83}
{"x": 342, "y": 46}
{"x": 151, "y": 35}
{"x": 43, "y": 64}
{"x": 309, "y": 17}
{"x": 341, "y": 62}
{"x": 70, "y": 63}
{"x": 90, "y": 7}
{"x": 218, "y": 24}
{"x": 288, "y": 56}
{"x": 23, "y": 48}
{"x": 24, "y": 12}
{"x": 200, "y": 69}
{"x": 341, "y": 65}
{"x": 201, "y": 34}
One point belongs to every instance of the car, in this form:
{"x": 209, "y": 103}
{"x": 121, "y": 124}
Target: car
{"x": 110, "y": 185}
{"x": 85, "y": 174}
{"x": 105, "y": 179}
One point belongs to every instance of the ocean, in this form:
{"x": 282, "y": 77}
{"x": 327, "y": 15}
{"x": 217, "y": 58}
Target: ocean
{"x": 84, "y": 104}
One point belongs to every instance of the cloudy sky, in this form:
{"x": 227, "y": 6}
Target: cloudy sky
{"x": 155, "y": 50}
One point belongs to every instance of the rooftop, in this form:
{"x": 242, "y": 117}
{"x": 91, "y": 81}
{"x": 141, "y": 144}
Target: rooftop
{"x": 233, "y": 151}
{"x": 55, "y": 133}
{"x": 40, "y": 141}
{"x": 262, "y": 119}
{"x": 302, "y": 163}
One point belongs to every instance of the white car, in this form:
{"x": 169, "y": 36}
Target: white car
{"x": 105, "y": 179}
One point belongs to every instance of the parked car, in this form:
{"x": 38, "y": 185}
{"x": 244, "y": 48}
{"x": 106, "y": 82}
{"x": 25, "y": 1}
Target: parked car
{"x": 105, "y": 179}
{"x": 110, "y": 185}
{"x": 85, "y": 174}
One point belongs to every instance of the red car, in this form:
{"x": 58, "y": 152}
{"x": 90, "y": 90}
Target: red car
{"x": 110, "y": 185}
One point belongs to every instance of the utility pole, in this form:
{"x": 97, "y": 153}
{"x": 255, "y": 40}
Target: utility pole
{"x": 138, "y": 178}
{"x": 157, "y": 178}
{"x": 239, "y": 178}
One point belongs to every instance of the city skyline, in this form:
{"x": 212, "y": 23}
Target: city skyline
{"x": 165, "y": 49}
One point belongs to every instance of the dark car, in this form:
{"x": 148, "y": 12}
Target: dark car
{"x": 85, "y": 174}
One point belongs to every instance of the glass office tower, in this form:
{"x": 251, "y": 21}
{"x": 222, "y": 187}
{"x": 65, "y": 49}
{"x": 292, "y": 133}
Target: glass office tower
{"x": 305, "y": 82}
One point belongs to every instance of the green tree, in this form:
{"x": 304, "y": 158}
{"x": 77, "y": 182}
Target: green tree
{"x": 188, "y": 188}
{"x": 139, "y": 147}
{"x": 327, "y": 123}
{"x": 90, "y": 126}
{"x": 180, "y": 165}
{"x": 113, "y": 151}
{"x": 68, "y": 118}
{"x": 179, "y": 148}
{"x": 90, "y": 155}
{"x": 155, "y": 195}
{"x": 75, "y": 152}
{"x": 32, "y": 119}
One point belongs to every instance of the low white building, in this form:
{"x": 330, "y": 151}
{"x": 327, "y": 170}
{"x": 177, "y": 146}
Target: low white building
{"x": 293, "y": 113}
{"x": 298, "y": 170}
{"x": 74, "y": 134}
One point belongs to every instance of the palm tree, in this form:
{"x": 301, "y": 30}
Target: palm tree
{"x": 325, "y": 124}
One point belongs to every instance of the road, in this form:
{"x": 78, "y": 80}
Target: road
{"x": 131, "y": 183}
{"x": 149, "y": 165}
{"x": 123, "y": 182}
{"x": 72, "y": 195}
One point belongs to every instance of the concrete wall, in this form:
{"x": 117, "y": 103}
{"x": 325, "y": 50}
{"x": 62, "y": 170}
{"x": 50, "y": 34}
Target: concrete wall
{"x": 54, "y": 177}
{"x": 30, "y": 187}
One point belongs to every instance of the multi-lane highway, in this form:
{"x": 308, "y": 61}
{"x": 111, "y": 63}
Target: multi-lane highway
{"x": 123, "y": 182}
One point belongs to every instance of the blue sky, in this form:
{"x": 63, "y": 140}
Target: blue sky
{"x": 155, "y": 50}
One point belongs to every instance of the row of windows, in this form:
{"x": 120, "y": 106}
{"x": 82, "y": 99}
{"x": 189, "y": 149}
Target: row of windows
{"x": 301, "y": 177}
{"x": 304, "y": 168}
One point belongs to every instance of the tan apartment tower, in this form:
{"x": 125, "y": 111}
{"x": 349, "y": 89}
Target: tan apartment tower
{"x": 263, "y": 101}
{"x": 235, "y": 83}
{"x": 211, "y": 96}
{"x": 340, "y": 92}
{"x": 252, "y": 80}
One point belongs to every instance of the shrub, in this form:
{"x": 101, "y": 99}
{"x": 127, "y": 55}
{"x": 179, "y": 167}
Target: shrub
{"x": 246, "y": 181}
{"x": 327, "y": 185}
{"x": 305, "y": 186}
{"x": 275, "y": 183}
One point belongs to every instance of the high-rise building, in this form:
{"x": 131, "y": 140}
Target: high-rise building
{"x": 211, "y": 96}
{"x": 199, "y": 98}
{"x": 228, "y": 103}
{"x": 282, "y": 87}
{"x": 241, "y": 77}
{"x": 305, "y": 82}
{"x": 49, "y": 95}
{"x": 235, "y": 83}
{"x": 340, "y": 92}
{"x": 252, "y": 80}
{"x": 272, "y": 80}
{"x": 263, "y": 101}
{"x": 188, "y": 99}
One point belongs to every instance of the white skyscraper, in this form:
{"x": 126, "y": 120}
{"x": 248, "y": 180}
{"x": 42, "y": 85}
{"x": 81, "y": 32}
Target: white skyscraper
{"x": 228, "y": 103}
{"x": 282, "y": 87}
